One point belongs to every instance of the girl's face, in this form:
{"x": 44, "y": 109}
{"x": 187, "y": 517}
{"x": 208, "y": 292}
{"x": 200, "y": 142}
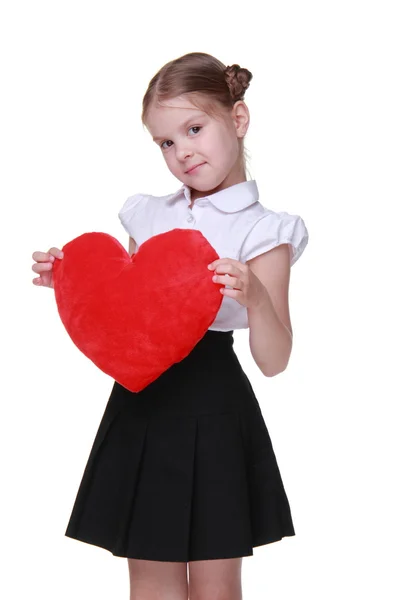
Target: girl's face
{"x": 187, "y": 137}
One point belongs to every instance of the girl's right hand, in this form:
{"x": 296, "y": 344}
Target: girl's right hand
{"x": 44, "y": 266}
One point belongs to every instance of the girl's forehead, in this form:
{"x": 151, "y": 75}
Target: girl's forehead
{"x": 174, "y": 109}
{"x": 179, "y": 102}
{"x": 171, "y": 113}
{"x": 174, "y": 113}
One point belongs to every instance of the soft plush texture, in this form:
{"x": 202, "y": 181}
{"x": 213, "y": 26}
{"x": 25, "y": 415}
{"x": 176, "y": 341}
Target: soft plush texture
{"x": 134, "y": 317}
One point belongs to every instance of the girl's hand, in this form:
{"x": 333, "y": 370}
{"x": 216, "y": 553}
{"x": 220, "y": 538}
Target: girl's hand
{"x": 248, "y": 289}
{"x": 44, "y": 266}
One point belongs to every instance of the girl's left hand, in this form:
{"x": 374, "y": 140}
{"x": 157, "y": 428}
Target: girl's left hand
{"x": 248, "y": 289}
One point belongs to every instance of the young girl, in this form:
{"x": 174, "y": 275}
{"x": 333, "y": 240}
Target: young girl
{"x": 182, "y": 478}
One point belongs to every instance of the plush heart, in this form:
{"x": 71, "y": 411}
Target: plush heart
{"x": 134, "y": 317}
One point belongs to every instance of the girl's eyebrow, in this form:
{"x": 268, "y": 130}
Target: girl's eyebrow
{"x": 194, "y": 116}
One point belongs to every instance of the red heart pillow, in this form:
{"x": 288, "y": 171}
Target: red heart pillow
{"x": 134, "y": 317}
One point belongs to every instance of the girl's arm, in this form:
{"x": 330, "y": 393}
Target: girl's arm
{"x": 132, "y": 246}
{"x": 269, "y": 323}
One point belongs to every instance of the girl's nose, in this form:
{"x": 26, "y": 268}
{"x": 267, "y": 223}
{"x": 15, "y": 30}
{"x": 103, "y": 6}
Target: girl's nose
{"x": 183, "y": 153}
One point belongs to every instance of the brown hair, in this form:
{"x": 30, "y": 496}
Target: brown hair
{"x": 213, "y": 87}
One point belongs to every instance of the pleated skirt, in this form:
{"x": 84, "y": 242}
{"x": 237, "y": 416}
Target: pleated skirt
{"x": 184, "y": 470}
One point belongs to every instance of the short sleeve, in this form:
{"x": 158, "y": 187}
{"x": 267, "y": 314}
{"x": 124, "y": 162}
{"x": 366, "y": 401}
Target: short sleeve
{"x": 274, "y": 229}
{"x": 130, "y": 210}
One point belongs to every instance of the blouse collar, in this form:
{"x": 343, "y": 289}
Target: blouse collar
{"x": 230, "y": 200}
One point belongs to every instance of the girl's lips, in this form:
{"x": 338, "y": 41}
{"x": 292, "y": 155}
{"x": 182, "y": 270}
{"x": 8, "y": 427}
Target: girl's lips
{"x": 194, "y": 169}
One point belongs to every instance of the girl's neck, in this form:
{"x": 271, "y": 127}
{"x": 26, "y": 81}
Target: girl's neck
{"x": 231, "y": 179}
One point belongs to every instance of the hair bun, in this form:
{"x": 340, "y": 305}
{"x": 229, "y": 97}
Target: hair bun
{"x": 238, "y": 80}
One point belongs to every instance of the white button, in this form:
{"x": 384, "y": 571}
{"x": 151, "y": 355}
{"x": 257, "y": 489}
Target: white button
{"x": 190, "y": 218}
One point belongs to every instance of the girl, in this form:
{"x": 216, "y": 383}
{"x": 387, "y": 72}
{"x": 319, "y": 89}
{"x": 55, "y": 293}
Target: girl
{"x": 182, "y": 478}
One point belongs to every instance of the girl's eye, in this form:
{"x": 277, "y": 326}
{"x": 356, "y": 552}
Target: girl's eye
{"x": 162, "y": 144}
{"x": 166, "y": 141}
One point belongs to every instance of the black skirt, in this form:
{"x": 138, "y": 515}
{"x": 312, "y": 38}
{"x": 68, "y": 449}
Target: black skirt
{"x": 184, "y": 470}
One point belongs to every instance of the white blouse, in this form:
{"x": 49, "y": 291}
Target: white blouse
{"x": 235, "y": 223}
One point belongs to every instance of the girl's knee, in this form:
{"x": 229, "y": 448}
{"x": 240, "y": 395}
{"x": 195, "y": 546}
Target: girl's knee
{"x": 218, "y": 579}
{"x": 219, "y": 592}
{"x": 157, "y": 580}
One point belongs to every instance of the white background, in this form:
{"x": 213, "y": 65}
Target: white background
{"x": 324, "y": 143}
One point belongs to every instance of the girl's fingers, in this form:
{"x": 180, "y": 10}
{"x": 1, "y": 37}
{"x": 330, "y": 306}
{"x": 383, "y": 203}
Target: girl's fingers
{"x": 41, "y": 256}
{"x": 46, "y": 256}
{"x": 233, "y": 267}
{"x": 56, "y": 252}
{"x": 227, "y": 270}
{"x": 42, "y": 266}
{"x": 234, "y": 282}
{"x": 44, "y": 281}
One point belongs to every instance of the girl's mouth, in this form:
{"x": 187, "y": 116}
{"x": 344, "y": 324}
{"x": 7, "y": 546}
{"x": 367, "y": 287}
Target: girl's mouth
{"x": 195, "y": 169}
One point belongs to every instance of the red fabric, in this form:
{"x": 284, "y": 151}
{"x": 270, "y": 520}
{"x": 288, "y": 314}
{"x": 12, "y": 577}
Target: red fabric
{"x": 134, "y": 317}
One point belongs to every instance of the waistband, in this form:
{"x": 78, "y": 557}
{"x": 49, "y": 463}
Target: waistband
{"x": 214, "y": 340}
{"x": 221, "y": 334}
{"x": 217, "y": 336}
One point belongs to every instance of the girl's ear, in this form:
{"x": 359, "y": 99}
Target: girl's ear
{"x": 241, "y": 118}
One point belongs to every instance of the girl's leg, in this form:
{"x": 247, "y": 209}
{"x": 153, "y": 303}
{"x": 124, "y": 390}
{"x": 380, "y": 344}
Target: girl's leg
{"x": 157, "y": 580}
{"x": 219, "y": 579}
